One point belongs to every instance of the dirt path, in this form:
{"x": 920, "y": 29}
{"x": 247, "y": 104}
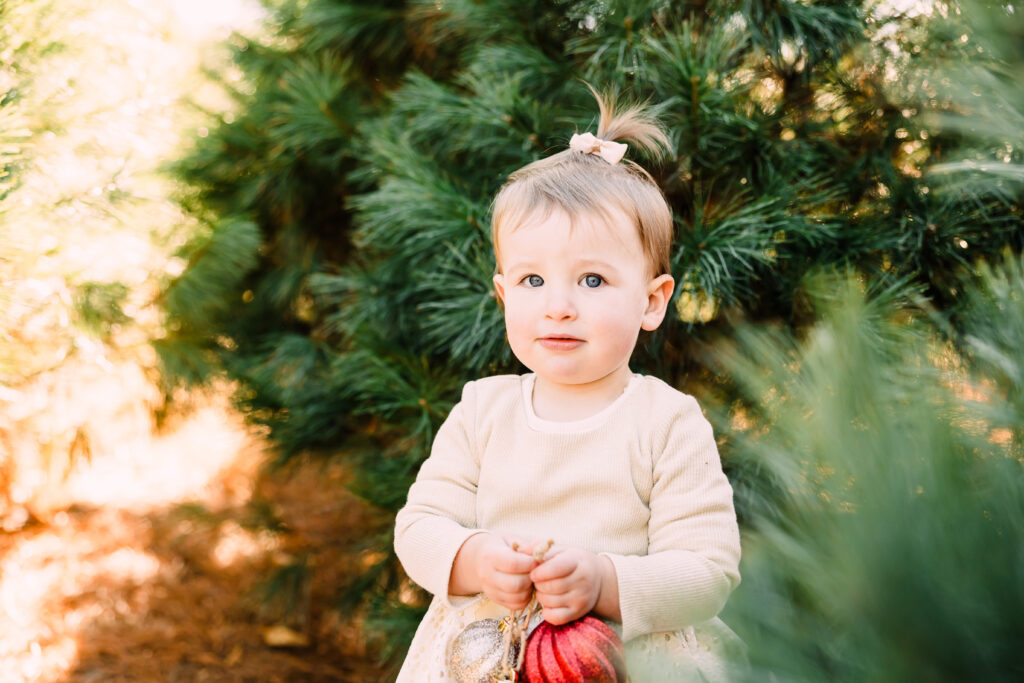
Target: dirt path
{"x": 151, "y": 561}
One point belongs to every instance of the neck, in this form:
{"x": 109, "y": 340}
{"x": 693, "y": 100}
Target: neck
{"x": 569, "y": 402}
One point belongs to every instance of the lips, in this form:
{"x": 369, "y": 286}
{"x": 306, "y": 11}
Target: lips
{"x": 560, "y": 342}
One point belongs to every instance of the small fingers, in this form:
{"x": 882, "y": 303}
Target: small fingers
{"x": 566, "y": 598}
{"x": 557, "y": 567}
{"x": 499, "y": 557}
{"x": 510, "y": 562}
{"x": 511, "y": 583}
{"x": 554, "y": 587}
{"x": 512, "y": 601}
{"x": 576, "y": 600}
{"x": 518, "y": 543}
{"x": 561, "y": 615}
{"x": 509, "y": 590}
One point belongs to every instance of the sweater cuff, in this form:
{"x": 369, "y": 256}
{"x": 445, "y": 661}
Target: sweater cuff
{"x": 429, "y": 554}
{"x": 449, "y": 564}
{"x": 667, "y": 591}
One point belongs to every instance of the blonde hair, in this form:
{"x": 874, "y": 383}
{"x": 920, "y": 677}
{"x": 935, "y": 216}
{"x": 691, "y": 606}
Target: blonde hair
{"x": 580, "y": 183}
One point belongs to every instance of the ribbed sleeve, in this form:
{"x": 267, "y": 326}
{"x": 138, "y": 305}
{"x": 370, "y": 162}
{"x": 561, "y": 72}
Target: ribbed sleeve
{"x": 440, "y": 513}
{"x": 693, "y": 554}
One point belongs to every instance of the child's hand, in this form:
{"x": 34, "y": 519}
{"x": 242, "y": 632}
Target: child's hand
{"x": 504, "y": 572}
{"x": 569, "y": 583}
{"x": 488, "y": 563}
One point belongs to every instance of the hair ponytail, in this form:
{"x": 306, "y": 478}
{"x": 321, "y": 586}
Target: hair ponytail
{"x": 634, "y": 124}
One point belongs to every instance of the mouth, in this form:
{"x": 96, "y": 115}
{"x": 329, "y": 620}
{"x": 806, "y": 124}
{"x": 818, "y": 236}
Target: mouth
{"x": 560, "y": 342}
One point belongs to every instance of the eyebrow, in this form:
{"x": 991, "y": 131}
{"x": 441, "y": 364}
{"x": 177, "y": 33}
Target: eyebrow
{"x": 597, "y": 263}
{"x": 582, "y": 264}
{"x": 521, "y": 265}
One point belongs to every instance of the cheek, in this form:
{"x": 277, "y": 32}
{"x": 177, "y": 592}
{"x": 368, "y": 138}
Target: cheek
{"x": 620, "y": 328}
{"x": 623, "y": 339}
{"x": 517, "y": 319}
{"x": 519, "y": 333}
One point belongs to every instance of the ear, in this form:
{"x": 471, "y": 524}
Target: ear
{"x": 499, "y": 287}
{"x": 659, "y": 293}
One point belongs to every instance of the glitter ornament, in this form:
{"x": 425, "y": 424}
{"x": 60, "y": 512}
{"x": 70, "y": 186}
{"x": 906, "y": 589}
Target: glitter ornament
{"x": 583, "y": 650}
{"x": 476, "y": 654}
{"x": 491, "y": 650}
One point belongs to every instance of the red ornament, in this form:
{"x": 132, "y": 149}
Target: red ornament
{"x": 583, "y": 650}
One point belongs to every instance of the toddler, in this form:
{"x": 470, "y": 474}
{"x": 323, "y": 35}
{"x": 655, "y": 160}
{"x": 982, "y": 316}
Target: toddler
{"x": 620, "y": 469}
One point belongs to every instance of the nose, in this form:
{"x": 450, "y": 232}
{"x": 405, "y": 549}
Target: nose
{"x": 559, "y": 304}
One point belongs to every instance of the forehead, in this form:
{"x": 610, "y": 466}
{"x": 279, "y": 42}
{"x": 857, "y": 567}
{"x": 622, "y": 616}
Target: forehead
{"x": 606, "y": 229}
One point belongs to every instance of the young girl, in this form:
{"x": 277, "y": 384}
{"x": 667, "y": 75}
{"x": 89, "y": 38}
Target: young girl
{"x": 620, "y": 469}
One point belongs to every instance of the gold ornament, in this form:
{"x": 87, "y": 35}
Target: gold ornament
{"x": 475, "y": 655}
{"x": 491, "y": 650}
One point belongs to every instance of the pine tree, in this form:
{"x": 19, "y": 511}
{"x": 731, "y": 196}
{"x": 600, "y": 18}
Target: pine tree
{"x": 893, "y": 552}
{"x": 894, "y": 442}
{"x": 344, "y": 274}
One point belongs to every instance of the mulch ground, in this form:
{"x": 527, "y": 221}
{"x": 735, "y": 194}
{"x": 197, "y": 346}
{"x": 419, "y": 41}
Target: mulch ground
{"x": 179, "y": 591}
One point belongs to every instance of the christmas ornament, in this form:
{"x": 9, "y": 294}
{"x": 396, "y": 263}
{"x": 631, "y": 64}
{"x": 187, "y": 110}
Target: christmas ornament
{"x": 583, "y": 650}
{"x": 476, "y": 654}
{"x": 491, "y": 650}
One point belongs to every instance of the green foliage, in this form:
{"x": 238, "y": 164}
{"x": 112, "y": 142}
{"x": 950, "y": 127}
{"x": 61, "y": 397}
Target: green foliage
{"x": 285, "y": 596}
{"x": 99, "y": 307}
{"x": 894, "y": 552}
{"x": 218, "y": 264}
{"x": 76, "y": 163}
{"x": 14, "y": 140}
{"x": 368, "y": 142}
{"x": 994, "y": 326}
{"x": 85, "y": 223}
{"x": 13, "y": 136}
{"x": 203, "y": 299}
{"x": 981, "y": 80}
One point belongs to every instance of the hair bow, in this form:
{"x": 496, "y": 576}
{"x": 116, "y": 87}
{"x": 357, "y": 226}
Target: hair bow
{"x": 588, "y": 144}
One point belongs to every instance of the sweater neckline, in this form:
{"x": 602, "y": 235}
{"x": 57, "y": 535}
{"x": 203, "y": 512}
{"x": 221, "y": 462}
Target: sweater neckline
{"x": 574, "y": 426}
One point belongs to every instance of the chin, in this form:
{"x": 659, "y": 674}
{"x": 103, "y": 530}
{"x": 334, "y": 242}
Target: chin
{"x": 567, "y": 378}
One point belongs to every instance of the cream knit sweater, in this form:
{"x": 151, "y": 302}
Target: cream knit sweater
{"x": 641, "y": 482}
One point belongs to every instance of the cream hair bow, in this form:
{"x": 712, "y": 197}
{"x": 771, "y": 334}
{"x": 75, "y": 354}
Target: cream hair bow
{"x": 588, "y": 144}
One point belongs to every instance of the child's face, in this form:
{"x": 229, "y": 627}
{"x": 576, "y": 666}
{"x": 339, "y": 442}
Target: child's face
{"x": 576, "y": 296}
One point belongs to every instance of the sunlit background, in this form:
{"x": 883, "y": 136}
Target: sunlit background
{"x": 91, "y": 222}
{"x": 109, "y": 90}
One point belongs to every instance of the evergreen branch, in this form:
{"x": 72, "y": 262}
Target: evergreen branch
{"x": 396, "y": 386}
{"x": 794, "y": 32}
{"x": 521, "y": 22}
{"x": 461, "y": 316}
{"x": 376, "y": 31}
{"x": 417, "y": 209}
{"x": 993, "y": 314}
{"x": 210, "y": 286}
{"x": 316, "y": 109}
{"x": 686, "y": 69}
{"x": 481, "y": 124}
{"x": 722, "y": 249}
{"x": 860, "y": 434}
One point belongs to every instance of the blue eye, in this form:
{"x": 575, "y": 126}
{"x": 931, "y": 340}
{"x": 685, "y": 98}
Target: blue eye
{"x": 593, "y": 280}
{"x": 534, "y": 280}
